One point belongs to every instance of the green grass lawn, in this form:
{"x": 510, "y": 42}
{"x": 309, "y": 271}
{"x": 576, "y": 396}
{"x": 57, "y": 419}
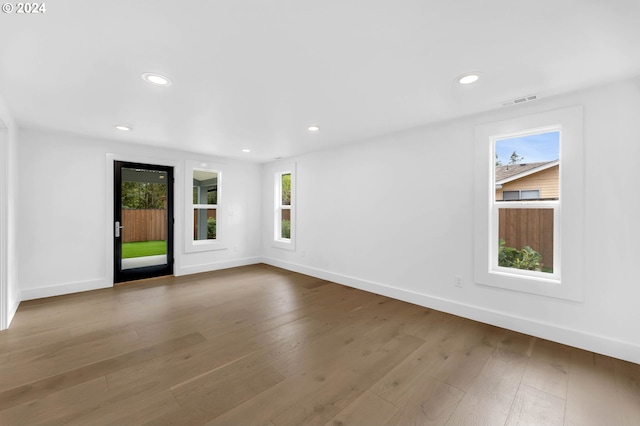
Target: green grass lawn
{"x": 143, "y": 248}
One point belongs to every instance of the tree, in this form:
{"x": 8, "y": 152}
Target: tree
{"x": 139, "y": 195}
{"x": 286, "y": 189}
{"x": 515, "y": 158}
{"x": 498, "y": 162}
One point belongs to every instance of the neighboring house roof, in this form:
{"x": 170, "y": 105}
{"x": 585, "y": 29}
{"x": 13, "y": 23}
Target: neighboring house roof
{"x": 513, "y": 172}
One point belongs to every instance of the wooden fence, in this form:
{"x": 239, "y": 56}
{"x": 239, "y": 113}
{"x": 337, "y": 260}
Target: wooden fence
{"x": 528, "y": 227}
{"x": 211, "y": 213}
{"x": 144, "y": 225}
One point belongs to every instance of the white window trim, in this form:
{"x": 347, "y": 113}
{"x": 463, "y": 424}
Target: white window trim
{"x": 566, "y": 281}
{"x": 191, "y": 245}
{"x": 277, "y": 240}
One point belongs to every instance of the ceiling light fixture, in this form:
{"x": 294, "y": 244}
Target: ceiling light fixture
{"x": 313, "y": 128}
{"x": 123, "y": 128}
{"x": 246, "y": 150}
{"x": 157, "y": 79}
{"x": 468, "y": 78}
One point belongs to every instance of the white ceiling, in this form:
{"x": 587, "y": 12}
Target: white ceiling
{"x": 255, "y": 74}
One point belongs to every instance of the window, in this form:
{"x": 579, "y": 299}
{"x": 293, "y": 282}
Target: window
{"x": 531, "y": 194}
{"x": 284, "y": 208}
{"x": 205, "y": 204}
{"x": 524, "y": 234}
{"x": 528, "y": 237}
{"x": 204, "y": 221}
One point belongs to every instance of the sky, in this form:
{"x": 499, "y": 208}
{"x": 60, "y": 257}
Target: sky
{"x": 534, "y": 148}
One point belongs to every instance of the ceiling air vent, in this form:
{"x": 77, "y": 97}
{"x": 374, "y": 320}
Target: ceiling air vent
{"x": 520, "y": 100}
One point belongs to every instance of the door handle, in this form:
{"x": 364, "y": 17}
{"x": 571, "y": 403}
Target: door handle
{"x": 118, "y": 228}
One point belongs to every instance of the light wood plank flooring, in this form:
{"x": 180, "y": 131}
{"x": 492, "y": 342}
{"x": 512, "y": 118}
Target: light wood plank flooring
{"x": 261, "y": 346}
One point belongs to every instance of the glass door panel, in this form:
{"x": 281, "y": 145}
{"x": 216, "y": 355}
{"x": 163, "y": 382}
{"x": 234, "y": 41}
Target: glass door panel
{"x": 143, "y": 221}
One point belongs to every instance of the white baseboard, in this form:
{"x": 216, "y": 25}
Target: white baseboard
{"x": 588, "y": 341}
{"x": 76, "y": 287}
{"x": 60, "y": 289}
{"x": 208, "y": 267}
{"x": 13, "y": 308}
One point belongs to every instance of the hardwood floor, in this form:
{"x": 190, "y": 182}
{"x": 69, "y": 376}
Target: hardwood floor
{"x": 261, "y": 346}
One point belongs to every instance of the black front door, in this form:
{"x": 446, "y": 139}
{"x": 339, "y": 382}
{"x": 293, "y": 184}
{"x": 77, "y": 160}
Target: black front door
{"x": 142, "y": 221}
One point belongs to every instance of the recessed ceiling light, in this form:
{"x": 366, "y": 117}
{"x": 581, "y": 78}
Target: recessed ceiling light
{"x": 313, "y": 128}
{"x": 468, "y": 78}
{"x": 157, "y": 79}
{"x": 246, "y": 150}
{"x": 124, "y": 128}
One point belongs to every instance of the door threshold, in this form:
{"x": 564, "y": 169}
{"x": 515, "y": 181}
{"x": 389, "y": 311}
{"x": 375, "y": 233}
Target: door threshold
{"x": 143, "y": 280}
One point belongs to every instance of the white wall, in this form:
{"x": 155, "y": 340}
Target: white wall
{"x": 394, "y": 215}
{"x": 64, "y": 205}
{"x": 9, "y": 292}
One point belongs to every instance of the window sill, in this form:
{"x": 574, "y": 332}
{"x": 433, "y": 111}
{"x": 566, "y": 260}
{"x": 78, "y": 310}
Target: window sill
{"x": 205, "y": 245}
{"x": 284, "y": 244}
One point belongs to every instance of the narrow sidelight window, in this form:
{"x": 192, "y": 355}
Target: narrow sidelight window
{"x": 283, "y": 216}
{"x": 205, "y": 205}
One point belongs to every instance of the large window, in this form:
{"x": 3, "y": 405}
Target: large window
{"x": 528, "y": 232}
{"x": 527, "y": 219}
